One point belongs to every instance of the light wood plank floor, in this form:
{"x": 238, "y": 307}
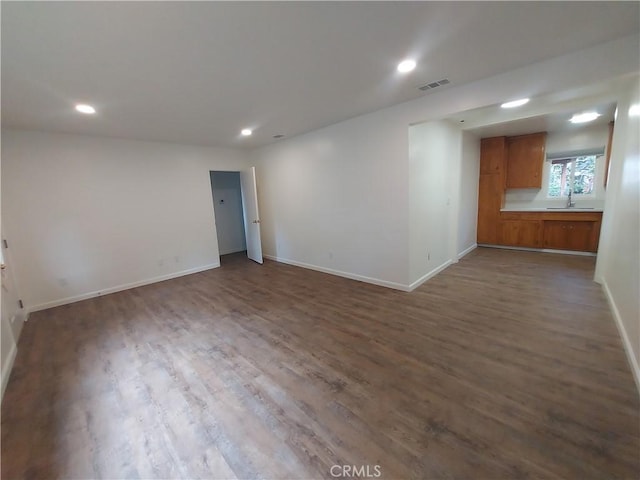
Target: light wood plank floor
{"x": 506, "y": 365}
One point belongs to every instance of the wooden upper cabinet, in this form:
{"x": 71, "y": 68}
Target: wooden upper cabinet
{"x": 493, "y": 153}
{"x": 525, "y": 158}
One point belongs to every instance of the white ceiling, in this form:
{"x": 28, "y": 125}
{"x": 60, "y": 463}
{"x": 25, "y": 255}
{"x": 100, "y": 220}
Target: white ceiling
{"x": 550, "y": 123}
{"x": 198, "y": 72}
{"x": 547, "y": 113}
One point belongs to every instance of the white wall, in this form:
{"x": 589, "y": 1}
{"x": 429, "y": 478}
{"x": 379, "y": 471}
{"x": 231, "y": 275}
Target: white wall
{"x": 90, "y": 214}
{"x": 435, "y": 150}
{"x": 468, "y": 209}
{"x": 558, "y": 142}
{"x": 581, "y": 139}
{"x": 336, "y": 199}
{"x": 618, "y": 264}
{"x": 227, "y": 203}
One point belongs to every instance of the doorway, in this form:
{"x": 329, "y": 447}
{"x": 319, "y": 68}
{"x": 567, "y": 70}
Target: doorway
{"x": 227, "y": 206}
{"x": 236, "y": 217}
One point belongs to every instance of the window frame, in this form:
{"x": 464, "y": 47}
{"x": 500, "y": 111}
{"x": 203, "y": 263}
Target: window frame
{"x": 566, "y": 160}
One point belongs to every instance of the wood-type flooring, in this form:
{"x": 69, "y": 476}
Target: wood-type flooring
{"x": 506, "y": 365}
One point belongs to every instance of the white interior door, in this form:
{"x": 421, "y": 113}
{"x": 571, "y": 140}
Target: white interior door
{"x": 251, "y": 214}
{"x": 11, "y": 320}
{"x": 10, "y": 302}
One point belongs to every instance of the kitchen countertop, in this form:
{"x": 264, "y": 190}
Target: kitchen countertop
{"x": 542, "y": 209}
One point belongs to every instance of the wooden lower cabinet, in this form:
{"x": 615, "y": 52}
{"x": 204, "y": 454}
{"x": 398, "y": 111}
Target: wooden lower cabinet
{"x": 521, "y": 233}
{"x": 578, "y": 231}
{"x": 570, "y": 235}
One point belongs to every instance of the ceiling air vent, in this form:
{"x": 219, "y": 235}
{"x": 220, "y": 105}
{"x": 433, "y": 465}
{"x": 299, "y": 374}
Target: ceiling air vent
{"x": 432, "y": 85}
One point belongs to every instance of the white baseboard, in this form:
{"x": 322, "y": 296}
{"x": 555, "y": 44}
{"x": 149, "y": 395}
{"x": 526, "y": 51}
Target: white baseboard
{"x": 233, "y": 251}
{"x": 119, "y": 288}
{"x": 6, "y": 370}
{"x": 339, "y": 273}
{"x": 429, "y": 275}
{"x": 628, "y": 348}
{"x": 362, "y": 278}
{"x": 467, "y": 251}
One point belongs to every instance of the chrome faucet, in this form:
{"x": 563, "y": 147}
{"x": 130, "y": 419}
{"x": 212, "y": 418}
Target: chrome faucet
{"x": 570, "y": 204}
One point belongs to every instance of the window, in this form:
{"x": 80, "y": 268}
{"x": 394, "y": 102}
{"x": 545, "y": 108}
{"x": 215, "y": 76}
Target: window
{"x": 575, "y": 174}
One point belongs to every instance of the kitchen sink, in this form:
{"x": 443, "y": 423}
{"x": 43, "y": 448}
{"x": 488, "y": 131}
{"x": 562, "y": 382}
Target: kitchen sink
{"x": 570, "y": 208}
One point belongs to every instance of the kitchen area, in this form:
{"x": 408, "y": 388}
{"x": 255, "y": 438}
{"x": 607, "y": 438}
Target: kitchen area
{"x": 559, "y": 173}
{"x": 542, "y": 179}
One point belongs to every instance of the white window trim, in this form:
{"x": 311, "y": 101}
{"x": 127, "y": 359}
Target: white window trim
{"x": 572, "y": 155}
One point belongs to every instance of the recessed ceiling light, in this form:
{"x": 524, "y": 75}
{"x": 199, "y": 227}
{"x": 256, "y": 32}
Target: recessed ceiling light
{"x": 634, "y": 110}
{"x": 515, "y": 103}
{"x": 406, "y": 66}
{"x": 584, "y": 117}
{"x": 246, "y": 132}
{"x": 84, "y": 108}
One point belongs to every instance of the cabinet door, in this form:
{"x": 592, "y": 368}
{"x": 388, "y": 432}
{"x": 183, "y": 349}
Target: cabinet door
{"x": 489, "y": 204}
{"x": 521, "y": 233}
{"x": 525, "y": 158}
{"x": 579, "y": 237}
{"x": 493, "y": 153}
{"x": 567, "y": 235}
